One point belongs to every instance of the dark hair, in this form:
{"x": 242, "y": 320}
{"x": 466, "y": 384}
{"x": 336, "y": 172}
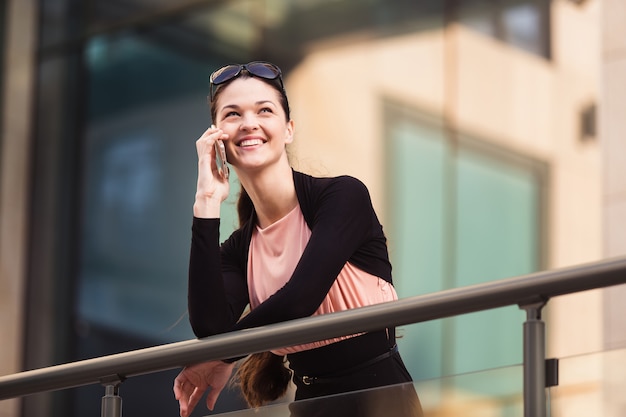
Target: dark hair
{"x": 262, "y": 377}
{"x": 275, "y": 84}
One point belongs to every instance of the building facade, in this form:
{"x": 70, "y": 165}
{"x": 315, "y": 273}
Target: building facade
{"x": 488, "y": 132}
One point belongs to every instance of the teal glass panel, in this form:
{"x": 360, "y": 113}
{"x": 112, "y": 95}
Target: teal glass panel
{"x": 497, "y": 237}
{"x": 416, "y": 239}
{"x": 460, "y": 215}
{"x": 419, "y": 167}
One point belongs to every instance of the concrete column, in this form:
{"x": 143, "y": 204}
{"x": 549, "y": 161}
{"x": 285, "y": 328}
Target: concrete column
{"x": 18, "y": 83}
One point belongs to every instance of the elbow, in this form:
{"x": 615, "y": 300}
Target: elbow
{"x": 202, "y": 329}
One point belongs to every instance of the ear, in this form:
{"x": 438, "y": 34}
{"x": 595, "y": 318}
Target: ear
{"x": 290, "y": 131}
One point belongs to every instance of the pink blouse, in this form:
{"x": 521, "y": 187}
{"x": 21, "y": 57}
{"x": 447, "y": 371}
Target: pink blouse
{"x": 274, "y": 254}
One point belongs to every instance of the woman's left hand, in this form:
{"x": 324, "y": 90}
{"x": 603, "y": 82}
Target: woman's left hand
{"x": 194, "y": 380}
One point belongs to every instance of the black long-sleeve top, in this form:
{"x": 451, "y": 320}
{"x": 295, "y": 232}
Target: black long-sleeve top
{"x": 344, "y": 227}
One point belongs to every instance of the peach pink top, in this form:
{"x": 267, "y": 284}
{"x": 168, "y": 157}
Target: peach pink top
{"x": 274, "y": 254}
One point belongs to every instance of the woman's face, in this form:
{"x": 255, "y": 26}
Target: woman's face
{"x": 248, "y": 110}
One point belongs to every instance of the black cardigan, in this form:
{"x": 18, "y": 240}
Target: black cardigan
{"x": 344, "y": 227}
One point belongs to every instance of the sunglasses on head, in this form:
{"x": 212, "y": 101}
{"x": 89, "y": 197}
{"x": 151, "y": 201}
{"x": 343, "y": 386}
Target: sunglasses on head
{"x": 259, "y": 69}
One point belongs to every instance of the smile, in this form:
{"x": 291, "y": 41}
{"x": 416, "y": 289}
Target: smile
{"x": 250, "y": 142}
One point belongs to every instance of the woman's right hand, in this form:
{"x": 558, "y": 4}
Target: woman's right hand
{"x": 212, "y": 189}
{"x": 194, "y": 380}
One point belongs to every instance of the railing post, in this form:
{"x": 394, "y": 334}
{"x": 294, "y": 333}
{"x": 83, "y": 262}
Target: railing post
{"x": 534, "y": 361}
{"x": 111, "y": 402}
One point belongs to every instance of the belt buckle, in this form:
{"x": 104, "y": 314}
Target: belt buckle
{"x": 308, "y": 380}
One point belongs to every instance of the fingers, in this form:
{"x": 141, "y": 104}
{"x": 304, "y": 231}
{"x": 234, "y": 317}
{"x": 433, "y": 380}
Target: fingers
{"x": 183, "y": 392}
{"x": 211, "y": 397}
{"x": 205, "y": 143}
{"x": 179, "y": 382}
{"x": 195, "y": 397}
{"x": 191, "y": 384}
{"x": 188, "y": 400}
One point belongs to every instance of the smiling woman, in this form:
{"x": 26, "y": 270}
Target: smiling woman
{"x": 305, "y": 246}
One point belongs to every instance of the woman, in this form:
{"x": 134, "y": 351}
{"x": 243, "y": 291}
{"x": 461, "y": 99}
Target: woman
{"x": 305, "y": 246}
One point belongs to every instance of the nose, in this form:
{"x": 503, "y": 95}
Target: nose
{"x": 249, "y": 121}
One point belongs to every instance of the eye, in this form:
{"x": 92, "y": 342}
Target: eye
{"x": 266, "y": 110}
{"x": 231, "y": 114}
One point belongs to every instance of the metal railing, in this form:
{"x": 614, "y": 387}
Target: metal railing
{"x": 531, "y": 292}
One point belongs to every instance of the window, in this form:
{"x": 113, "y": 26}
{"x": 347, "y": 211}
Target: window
{"x": 521, "y": 23}
{"x": 462, "y": 212}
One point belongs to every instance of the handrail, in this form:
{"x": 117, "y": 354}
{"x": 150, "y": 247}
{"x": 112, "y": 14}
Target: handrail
{"x": 522, "y": 290}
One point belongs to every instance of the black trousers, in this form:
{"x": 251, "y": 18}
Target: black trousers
{"x": 359, "y": 377}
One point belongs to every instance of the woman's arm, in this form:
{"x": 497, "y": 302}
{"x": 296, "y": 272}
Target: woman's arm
{"x": 214, "y": 299}
{"x": 217, "y": 288}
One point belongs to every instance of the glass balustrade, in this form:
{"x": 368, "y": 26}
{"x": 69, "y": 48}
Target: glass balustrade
{"x": 588, "y": 385}
{"x": 496, "y": 392}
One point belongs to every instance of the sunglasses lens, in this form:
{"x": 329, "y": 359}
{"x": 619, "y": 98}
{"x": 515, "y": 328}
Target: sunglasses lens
{"x": 257, "y": 68}
{"x": 263, "y": 70}
{"x": 224, "y": 74}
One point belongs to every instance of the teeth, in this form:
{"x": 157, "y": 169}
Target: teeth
{"x": 251, "y": 142}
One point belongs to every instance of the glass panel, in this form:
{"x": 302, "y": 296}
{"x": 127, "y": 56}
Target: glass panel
{"x": 419, "y": 158}
{"x": 418, "y": 172}
{"x": 459, "y": 395}
{"x": 591, "y": 384}
{"x": 497, "y": 217}
{"x": 497, "y": 235}
{"x": 460, "y": 217}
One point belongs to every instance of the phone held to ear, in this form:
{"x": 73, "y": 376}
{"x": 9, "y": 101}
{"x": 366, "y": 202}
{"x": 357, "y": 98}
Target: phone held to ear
{"x": 220, "y": 158}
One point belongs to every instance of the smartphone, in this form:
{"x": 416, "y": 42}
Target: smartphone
{"x": 220, "y": 159}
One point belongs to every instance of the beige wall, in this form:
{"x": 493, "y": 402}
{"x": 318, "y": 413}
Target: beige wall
{"x": 17, "y": 102}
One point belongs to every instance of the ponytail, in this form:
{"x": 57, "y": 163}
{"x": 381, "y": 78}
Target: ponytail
{"x": 262, "y": 378}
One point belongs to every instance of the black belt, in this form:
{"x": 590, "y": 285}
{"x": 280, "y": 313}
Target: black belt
{"x": 310, "y": 380}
